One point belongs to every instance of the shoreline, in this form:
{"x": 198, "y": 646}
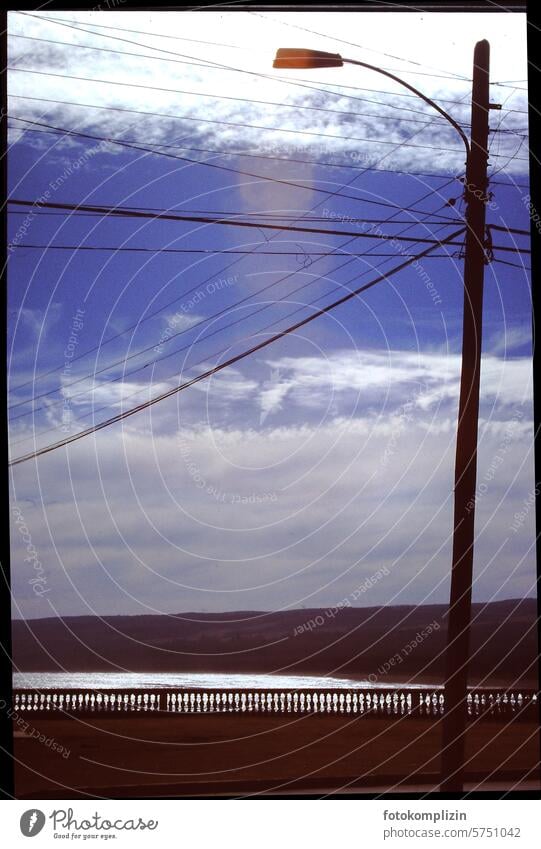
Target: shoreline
{"x": 313, "y": 681}
{"x": 477, "y": 682}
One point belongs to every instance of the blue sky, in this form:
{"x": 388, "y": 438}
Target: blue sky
{"x": 290, "y": 478}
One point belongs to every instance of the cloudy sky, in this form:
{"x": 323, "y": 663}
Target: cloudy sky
{"x": 290, "y": 478}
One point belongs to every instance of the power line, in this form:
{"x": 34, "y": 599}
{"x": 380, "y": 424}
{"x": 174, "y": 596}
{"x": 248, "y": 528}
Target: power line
{"x": 293, "y": 160}
{"x": 445, "y": 76}
{"x": 205, "y": 94}
{"x": 202, "y": 64}
{"x": 211, "y": 65}
{"x": 198, "y": 341}
{"x": 180, "y": 350}
{"x": 513, "y": 158}
{"x": 389, "y": 105}
{"x": 502, "y": 229}
{"x": 238, "y": 99}
{"x": 511, "y": 250}
{"x": 206, "y": 358}
{"x": 235, "y": 99}
{"x": 237, "y": 123}
{"x": 217, "y": 66}
{"x": 215, "y": 96}
{"x": 211, "y": 318}
{"x": 358, "y": 46}
{"x": 411, "y": 206}
{"x": 137, "y": 324}
{"x": 205, "y": 320}
{"x": 170, "y": 303}
{"x": 512, "y": 264}
{"x": 223, "y": 213}
{"x": 141, "y": 32}
{"x": 225, "y": 310}
{"x": 122, "y": 29}
{"x": 255, "y": 215}
{"x": 214, "y": 65}
{"x": 76, "y": 25}
{"x": 384, "y": 91}
{"x": 125, "y": 212}
{"x": 152, "y": 347}
{"x": 505, "y": 131}
{"x": 230, "y": 123}
{"x": 190, "y": 346}
{"x": 231, "y": 264}
{"x": 218, "y": 353}
{"x": 211, "y": 251}
{"x": 194, "y": 288}
{"x": 193, "y": 59}
{"x": 227, "y": 363}
{"x": 204, "y": 163}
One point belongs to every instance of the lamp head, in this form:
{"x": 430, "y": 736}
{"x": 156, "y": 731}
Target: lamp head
{"x": 297, "y": 57}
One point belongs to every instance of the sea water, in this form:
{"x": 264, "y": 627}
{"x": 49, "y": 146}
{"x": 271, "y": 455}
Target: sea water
{"x": 195, "y": 680}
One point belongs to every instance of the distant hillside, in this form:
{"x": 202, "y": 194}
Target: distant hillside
{"x": 385, "y": 642}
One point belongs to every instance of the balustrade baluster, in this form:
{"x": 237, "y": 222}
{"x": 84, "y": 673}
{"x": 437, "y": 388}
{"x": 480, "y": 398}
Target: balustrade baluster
{"x": 483, "y": 703}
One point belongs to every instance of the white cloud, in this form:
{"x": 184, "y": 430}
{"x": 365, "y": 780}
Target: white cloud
{"x": 504, "y": 342}
{"x": 145, "y": 517}
{"x": 226, "y": 386}
{"x": 441, "y": 38}
{"x": 429, "y": 377}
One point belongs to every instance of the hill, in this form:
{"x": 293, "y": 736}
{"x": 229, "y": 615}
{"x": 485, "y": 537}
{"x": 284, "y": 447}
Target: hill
{"x": 382, "y": 642}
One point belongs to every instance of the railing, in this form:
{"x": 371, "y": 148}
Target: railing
{"x": 486, "y": 703}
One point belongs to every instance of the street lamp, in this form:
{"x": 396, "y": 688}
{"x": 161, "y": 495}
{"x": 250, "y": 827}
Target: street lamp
{"x": 475, "y": 193}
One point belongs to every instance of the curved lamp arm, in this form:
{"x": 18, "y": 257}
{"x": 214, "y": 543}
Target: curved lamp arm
{"x": 293, "y": 57}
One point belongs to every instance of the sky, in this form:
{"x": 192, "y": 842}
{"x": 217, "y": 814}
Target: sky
{"x": 292, "y": 477}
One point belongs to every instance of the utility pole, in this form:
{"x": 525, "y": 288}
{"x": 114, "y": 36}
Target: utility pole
{"x": 459, "y": 616}
{"x": 475, "y": 191}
